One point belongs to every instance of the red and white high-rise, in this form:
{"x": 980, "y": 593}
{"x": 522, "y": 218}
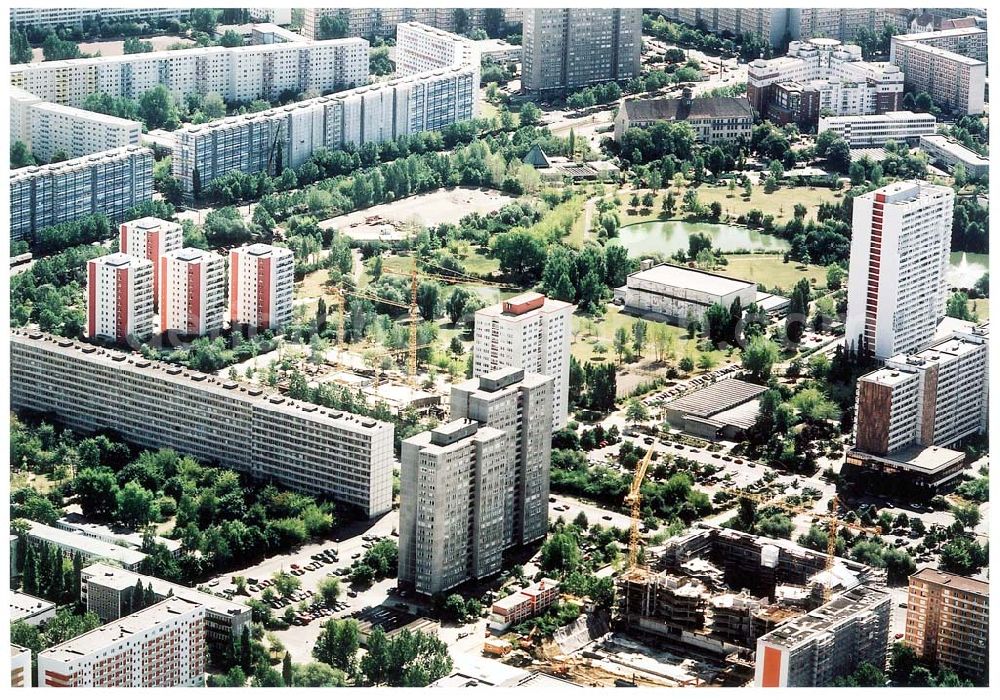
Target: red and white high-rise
{"x": 261, "y": 278}
{"x": 192, "y": 295}
{"x": 150, "y": 238}
{"x": 119, "y": 297}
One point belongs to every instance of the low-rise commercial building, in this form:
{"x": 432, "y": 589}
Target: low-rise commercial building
{"x": 829, "y": 642}
{"x": 303, "y": 446}
{"x": 714, "y": 119}
{"x": 948, "y": 621}
{"x": 72, "y": 543}
{"x": 682, "y": 294}
{"x": 119, "y": 298}
{"x": 47, "y": 128}
{"x": 527, "y": 602}
{"x": 20, "y": 666}
{"x": 875, "y": 130}
{"x": 949, "y": 153}
{"x": 106, "y": 591}
{"x": 29, "y": 609}
{"x": 239, "y": 74}
{"x": 193, "y": 292}
{"x": 124, "y": 537}
{"x": 499, "y": 51}
{"x": 822, "y": 76}
{"x": 160, "y": 646}
{"x": 109, "y": 183}
{"x": 949, "y": 65}
{"x": 721, "y": 410}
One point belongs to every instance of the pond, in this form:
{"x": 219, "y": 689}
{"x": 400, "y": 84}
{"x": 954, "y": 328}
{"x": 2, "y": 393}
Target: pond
{"x": 668, "y": 237}
{"x": 964, "y": 269}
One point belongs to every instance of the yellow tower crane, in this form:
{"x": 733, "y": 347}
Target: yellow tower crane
{"x": 833, "y": 524}
{"x": 634, "y": 499}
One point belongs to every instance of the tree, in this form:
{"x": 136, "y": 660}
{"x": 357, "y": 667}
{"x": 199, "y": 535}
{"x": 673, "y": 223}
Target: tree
{"x": 56, "y": 49}
{"x": 530, "y": 114}
{"x": 96, "y": 491}
{"x": 205, "y": 20}
{"x": 328, "y": 590}
{"x": 958, "y": 307}
{"x": 20, "y": 156}
{"x": 135, "y": 45}
{"x": 338, "y": 644}
{"x": 362, "y": 575}
{"x": 20, "y": 49}
{"x": 428, "y": 300}
{"x": 230, "y": 39}
{"x": 639, "y": 332}
{"x": 456, "y": 304}
{"x": 317, "y": 675}
{"x": 966, "y": 514}
{"x": 759, "y": 357}
{"x": 332, "y": 27}
{"x": 158, "y": 110}
{"x": 409, "y": 659}
{"x": 621, "y": 342}
{"x": 636, "y": 411}
{"x": 560, "y": 553}
{"x": 285, "y": 583}
{"x": 453, "y": 608}
{"x": 135, "y": 506}
{"x": 834, "y": 276}
{"x": 286, "y": 669}
{"x": 865, "y": 676}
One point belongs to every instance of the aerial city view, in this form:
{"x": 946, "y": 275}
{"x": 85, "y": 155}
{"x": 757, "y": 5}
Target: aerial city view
{"x": 529, "y": 348}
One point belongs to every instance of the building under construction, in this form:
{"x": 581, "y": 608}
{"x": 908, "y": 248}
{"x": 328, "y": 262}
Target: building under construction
{"x": 720, "y": 590}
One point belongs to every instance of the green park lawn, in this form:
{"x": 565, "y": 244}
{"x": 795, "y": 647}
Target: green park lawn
{"x": 772, "y": 271}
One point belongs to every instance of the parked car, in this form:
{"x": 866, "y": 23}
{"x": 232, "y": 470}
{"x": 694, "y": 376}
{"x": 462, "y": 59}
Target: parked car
{"x": 352, "y": 594}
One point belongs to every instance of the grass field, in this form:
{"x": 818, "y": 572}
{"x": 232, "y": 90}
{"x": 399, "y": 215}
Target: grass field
{"x": 772, "y": 271}
{"x": 980, "y": 307}
{"x": 589, "y": 332}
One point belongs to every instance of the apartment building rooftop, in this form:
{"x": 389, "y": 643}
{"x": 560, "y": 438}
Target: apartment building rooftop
{"x": 826, "y": 617}
{"x": 944, "y": 578}
{"x": 23, "y": 605}
{"x": 93, "y": 547}
{"x": 119, "y": 579}
{"x": 102, "y": 637}
{"x": 176, "y": 374}
{"x": 940, "y": 34}
{"x": 191, "y": 254}
{"x": 81, "y": 163}
{"x": 717, "y": 397}
{"x": 945, "y": 53}
{"x": 522, "y": 304}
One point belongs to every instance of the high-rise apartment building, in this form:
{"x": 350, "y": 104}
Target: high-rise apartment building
{"x": 162, "y": 646}
{"x": 571, "y": 48}
{"x": 119, "y": 298}
{"x": 150, "y": 238}
{"x": 193, "y": 292}
{"x": 874, "y": 130}
{"x": 109, "y": 183}
{"x": 318, "y": 451}
{"x": 949, "y": 65}
{"x": 20, "y": 666}
{"x": 420, "y": 48}
{"x": 52, "y": 17}
{"x": 520, "y": 404}
{"x": 47, "y": 128}
{"x": 822, "y": 76}
{"x": 261, "y": 281}
{"x": 382, "y": 22}
{"x": 948, "y": 621}
{"x": 899, "y": 254}
{"x": 831, "y": 641}
{"x": 107, "y": 590}
{"x": 531, "y": 332}
{"x": 452, "y": 505}
{"x": 769, "y": 23}
{"x": 841, "y": 23}
{"x": 236, "y": 74}
{"x": 916, "y": 405}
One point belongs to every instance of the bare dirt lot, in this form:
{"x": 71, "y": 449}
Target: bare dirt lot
{"x": 116, "y": 48}
{"x": 445, "y": 206}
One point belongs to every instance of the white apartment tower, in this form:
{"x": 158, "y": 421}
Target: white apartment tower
{"x": 899, "y": 254}
{"x": 193, "y": 292}
{"x": 150, "y": 238}
{"x": 261, "y": 278}
{"x": 162, "y": 646}
{"x": 119, "y": 298}
{"x": 531, "y": 332}
{"x": 452, "y": 505}
{"x": 520, "y": 404}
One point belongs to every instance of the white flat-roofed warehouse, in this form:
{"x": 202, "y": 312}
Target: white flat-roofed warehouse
{"x": 949, "y": 153}
{"x": 683, "y": 294}
{"x": 29, "y": 609}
